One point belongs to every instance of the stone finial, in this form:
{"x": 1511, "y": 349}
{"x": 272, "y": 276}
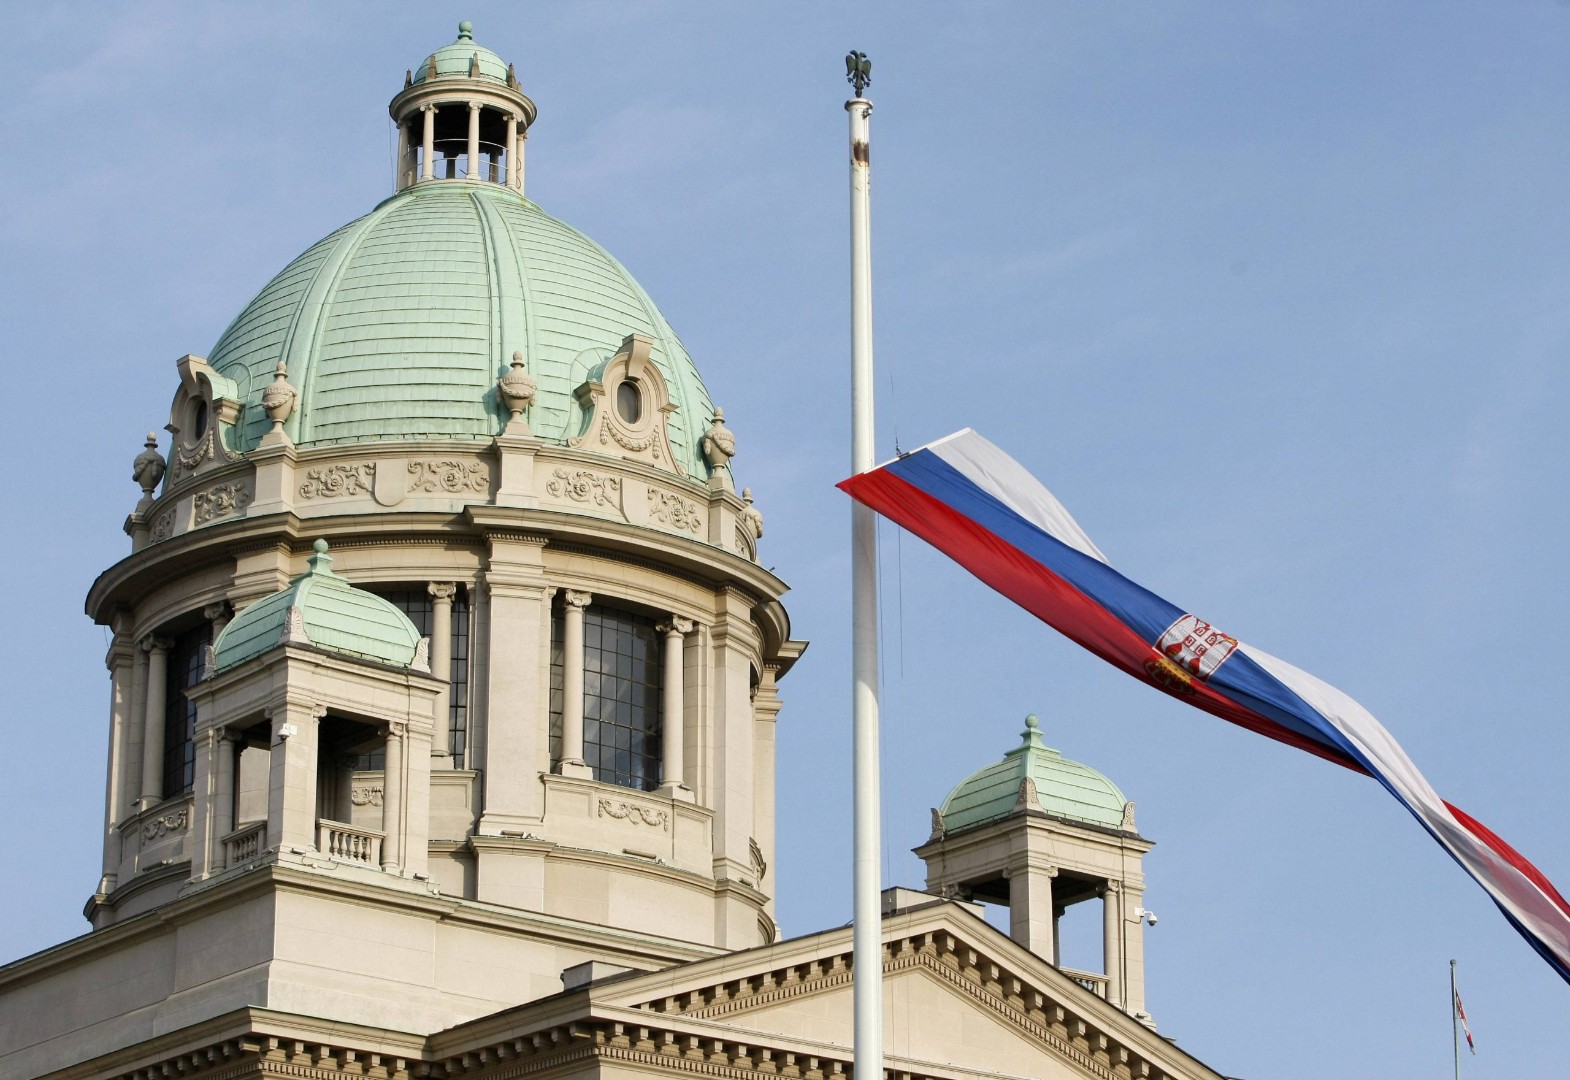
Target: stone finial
{"x": 719, "y": 443}
{"x": 430, "y": 68}
{"x": 517, "y": 390}
{"x": 512, "y": 77}
{"x": 466, "y": 31}
{"x": 278, "y": 401}
{"x": 209, "y": 662}
{"x": 422, "y": 656}
{"x": 147, "y": 470}
{"x": 937, "y": 825}
{"x": 474, "y": 66}
{"x": 750, "y": 517}
{"x": 1128, "y": 817}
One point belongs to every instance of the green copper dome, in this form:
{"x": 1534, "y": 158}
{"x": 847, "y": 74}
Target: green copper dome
{"x": 334, "y": 616}
{"x": 1064, "y": 789}
{"x": 455, "y": 59}
{"x": 397, "y": 326}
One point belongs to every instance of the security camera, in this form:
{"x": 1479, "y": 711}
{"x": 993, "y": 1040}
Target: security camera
{"x": 1146, "y": 914}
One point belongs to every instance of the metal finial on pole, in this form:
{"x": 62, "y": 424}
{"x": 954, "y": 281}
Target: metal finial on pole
{"x": 858, "y": 71}
{"x": 867, "y": 969}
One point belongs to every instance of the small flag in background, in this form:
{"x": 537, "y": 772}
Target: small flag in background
{"x": 1461, "y": 1016}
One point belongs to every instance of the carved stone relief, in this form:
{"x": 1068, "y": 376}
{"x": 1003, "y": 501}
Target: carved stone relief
{"x": 449, "y": 475}
{"x": 755, "y": 853}
{"x": 332, "y": 481}
{"x": 164, "y": 825}
{"x": 638, "y": 815}
{"x": 221, "y": 501}
{"x": 584, "y": 486}
{"x": 163, "y": 527}
{"x": 368, "y": 795}
{"x": 673, "y": 510}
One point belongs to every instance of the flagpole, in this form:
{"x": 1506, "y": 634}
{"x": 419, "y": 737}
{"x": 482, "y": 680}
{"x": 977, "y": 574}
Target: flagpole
{"x": 1455, "y": 1040}
{"x": 868, "y": 930}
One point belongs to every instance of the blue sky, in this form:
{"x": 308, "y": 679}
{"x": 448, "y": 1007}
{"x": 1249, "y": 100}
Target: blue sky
{"x": 1275, "y": 297}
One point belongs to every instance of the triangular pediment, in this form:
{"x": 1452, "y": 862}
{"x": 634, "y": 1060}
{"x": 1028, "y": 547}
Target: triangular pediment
{"x": 958, "y": 995}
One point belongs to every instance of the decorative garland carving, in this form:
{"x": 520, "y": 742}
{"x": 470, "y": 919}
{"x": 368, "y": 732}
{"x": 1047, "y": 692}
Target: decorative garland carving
{"x": 332, "y": 481}
{"x": 369, "y": 795}
{"x": 581, "y": 485}
{"x": 635, "y": 445}
{"x": 163, "y": 826}
{"x": 449, "y": 475}
{"x": 220, "y": 501}
{"x": 625, "y": 811}
{"x": 675, "y": 511}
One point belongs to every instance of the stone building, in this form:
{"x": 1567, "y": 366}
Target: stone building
{"x": 444, "y": 684}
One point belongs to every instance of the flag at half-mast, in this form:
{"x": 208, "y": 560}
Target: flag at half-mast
{"x": 980, "y": 507}
{"x": 1466, "y": 1029}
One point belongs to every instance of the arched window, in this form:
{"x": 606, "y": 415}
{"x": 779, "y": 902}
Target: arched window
{"x": 621, "y": 695}
{"x": 183, "y": 672}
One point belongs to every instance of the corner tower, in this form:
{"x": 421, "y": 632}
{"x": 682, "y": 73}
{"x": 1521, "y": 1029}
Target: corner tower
{"x": 1041, "y": 833}
{"x": 513, "y": 458}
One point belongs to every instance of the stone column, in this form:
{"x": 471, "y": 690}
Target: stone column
{"x": 734, "y": 648}
{"x": 523, "y": 137}
{"x": 512, "y": 150}
{"x": 157, "y": 649}
{"x": 1133, "y": 942}
{"x": 428, "y": 143}
{"x": 474, "y": 142}
{"x": 572, "y": 763}
{"x": 1112, "y": 939}
{"x": 392, "y": 799}
{"x": 673, "y": 772}
{"x": 223, "y": 798}
{"x": 441, "y": 593}
{"x": 1032, "y": 916}
{"x": 121, "y": 662}
{"x": 291, "y": 777}
{"x": 401, "y": 179}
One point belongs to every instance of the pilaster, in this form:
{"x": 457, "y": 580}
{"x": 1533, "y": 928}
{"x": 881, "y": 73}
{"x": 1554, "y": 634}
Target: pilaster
{"x": 516, "y": 747}
{"x": 291, "y": 782}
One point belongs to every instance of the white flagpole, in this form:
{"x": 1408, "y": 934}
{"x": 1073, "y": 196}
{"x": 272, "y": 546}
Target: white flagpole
{"x": 868, "y": 916}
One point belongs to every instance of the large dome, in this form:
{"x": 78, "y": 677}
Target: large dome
{"x": 397, "y": 325}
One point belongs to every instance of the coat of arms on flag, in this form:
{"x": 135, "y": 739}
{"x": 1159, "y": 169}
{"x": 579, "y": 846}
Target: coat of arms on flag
{"x": 1190, "y": 648}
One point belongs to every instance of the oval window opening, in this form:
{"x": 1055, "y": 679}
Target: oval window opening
{"x": 199, "y": 419}
{"x": 629, "y": 401}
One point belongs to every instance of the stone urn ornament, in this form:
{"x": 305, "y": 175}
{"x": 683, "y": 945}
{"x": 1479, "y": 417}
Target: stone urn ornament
{"x": 147, "y": 470}
{"x": 517, "y": 390}
{"x": 750, "y": 517}
{"x": 278, "y": 401}
{"x": 719, "y": 446}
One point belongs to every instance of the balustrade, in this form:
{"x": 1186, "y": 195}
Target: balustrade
{"x": 245, "y": 843}
{"x": 338, "y": 840}
{"x": 1096, "y": 984}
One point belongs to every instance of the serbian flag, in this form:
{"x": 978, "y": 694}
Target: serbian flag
{"x": 981, "y": 508}
{"x": 1466, "y": 1029}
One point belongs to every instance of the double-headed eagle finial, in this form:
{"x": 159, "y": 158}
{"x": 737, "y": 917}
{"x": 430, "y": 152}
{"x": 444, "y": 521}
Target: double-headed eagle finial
{"x": 858, "y": 71}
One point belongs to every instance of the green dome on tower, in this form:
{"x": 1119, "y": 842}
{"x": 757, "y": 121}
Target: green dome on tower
{"x": 1064, "y": 789}
{"x": 455, "y": 59}
{"x": 397, "y": 326}
{"x": 333, "y": 615}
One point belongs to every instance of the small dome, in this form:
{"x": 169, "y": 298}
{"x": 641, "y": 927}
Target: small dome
{"x": 398, "y": 325}
{"x": 455, "y": 59}
{"x": 334, "y": 616}
{"x": 1064, "y": 789}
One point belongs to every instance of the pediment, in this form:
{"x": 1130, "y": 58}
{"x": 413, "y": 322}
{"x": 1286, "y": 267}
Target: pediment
{"x": 956, "y": 993}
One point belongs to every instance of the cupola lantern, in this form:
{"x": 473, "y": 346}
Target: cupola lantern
{"x": 461, "y": 116}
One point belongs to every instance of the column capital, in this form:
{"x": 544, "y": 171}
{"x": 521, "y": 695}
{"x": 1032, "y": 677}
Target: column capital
{"x": 577, "y": 598}
{"x": 214, "y": 612}
{"x": 676, "y": 626}
{"x": 442, "y": 590}
{"x": 155, "y": 643}
{"x": 475, "y": 106}
{"x": 428, "y": 107}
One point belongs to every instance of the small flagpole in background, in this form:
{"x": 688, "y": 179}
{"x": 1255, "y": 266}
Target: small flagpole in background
{"x": 1455, "y": 1039}
{"x": 867, "y": 968}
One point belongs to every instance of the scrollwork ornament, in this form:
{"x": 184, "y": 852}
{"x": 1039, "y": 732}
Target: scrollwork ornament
{"x": 164, "y": 825}
{"x": 335, "y": 481}
{"x": 163, "y": 527}
{"x": 366, "y": 795}
{"x": 220, "y": 501}
{"x": 673, "y": 510}
{"x": 584, "y": 486}
{"x": 451, "y": 476}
